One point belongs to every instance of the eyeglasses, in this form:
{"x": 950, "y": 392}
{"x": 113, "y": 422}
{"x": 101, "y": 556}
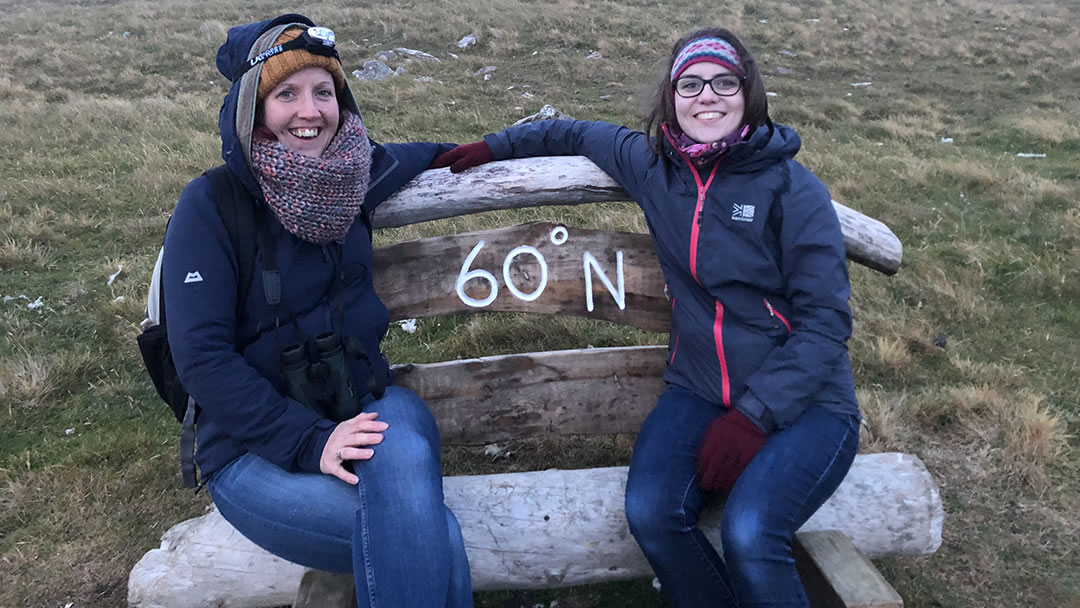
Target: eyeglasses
{"x": 724, "y": 85}
{"x": 316, "y": 40}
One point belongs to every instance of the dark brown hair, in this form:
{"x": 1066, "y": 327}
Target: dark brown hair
{"x": 661, "y": 103}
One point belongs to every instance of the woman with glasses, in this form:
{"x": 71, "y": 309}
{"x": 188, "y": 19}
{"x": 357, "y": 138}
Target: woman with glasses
{"x": 303, "y": 446}
{"x": 760, "y": 404}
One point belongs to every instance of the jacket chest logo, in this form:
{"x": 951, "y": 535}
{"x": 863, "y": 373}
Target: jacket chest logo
{"x": 742, "y": 213}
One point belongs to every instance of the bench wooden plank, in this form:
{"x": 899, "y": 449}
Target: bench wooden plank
{"x": 837, "y": 575}
{"x": 573, "y": 180}
{"x": 532, "y": 530}
{"x": 568, "y": 392}
{"x": 421, "y": 278}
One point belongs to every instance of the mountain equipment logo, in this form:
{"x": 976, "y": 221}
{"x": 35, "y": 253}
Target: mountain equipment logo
{"x": 742, "y": 213}
{"x": 193, "y": 277}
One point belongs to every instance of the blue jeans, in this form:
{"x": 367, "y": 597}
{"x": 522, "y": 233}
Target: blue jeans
{"x": 392, "y": 530}
{"x": 790, "y": 478}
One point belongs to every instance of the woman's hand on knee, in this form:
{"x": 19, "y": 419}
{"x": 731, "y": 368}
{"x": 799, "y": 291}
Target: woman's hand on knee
{"x": 351, "y": 440}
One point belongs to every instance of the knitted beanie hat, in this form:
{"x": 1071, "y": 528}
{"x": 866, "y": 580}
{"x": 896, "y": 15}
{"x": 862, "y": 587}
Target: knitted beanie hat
{"x": 711, "y": 50}
{"x": 281, "y": 66}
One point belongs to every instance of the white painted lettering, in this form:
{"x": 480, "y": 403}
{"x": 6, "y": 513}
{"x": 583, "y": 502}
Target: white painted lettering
{"x": 590, "y": 262}
{"x": 465, "y": 275}
{"x": 533, "y": 251}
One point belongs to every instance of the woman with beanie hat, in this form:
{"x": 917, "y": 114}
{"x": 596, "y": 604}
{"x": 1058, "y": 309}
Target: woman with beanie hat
{"x": 760, "y": 404}
{"x": 325, "y": 477}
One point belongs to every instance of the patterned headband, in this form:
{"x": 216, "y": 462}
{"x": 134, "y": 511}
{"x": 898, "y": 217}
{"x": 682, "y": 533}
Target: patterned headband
{"x": 712, "y": 50}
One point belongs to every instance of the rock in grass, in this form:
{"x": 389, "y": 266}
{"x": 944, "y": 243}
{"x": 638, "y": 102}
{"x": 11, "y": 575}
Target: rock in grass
{"x": 466, "y": 42}
{"x": 374, "y": 70}
{"x": 548, "y": 112}
{"x": 416, "y": 55}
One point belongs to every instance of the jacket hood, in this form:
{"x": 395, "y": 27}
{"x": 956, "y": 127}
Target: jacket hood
{"x": 236, "y": 120}
{"x": 768, "y": 144}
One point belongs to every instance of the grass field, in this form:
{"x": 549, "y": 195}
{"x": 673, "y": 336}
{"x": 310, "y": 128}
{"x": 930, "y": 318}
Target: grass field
{"x": 107, "y": 108}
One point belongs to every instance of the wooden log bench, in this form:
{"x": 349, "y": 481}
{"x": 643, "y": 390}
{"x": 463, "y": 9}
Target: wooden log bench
{"x": 555, "y": 528}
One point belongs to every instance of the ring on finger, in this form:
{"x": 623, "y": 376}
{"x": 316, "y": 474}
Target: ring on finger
{"x": 340, "y": 459}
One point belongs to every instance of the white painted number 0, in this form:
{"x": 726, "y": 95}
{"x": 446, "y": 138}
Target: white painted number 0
{"x": 533, "y": 251}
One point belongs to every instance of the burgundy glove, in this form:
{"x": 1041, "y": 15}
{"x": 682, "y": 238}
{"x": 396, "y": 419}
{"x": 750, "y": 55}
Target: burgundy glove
{"x": 463, "y": 157}
{"x": 728, "y": 446}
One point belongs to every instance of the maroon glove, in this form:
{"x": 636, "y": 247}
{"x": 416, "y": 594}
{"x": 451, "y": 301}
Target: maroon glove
{"x": 463, "y": 157}
{"x": 728, "y": 446}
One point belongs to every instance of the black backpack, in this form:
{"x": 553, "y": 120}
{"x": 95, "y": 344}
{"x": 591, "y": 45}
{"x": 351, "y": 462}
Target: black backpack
{"x": 238, "y": 211}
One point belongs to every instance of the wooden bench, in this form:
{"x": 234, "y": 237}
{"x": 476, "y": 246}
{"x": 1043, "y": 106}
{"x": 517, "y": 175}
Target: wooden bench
{"x": 555, "y": 528}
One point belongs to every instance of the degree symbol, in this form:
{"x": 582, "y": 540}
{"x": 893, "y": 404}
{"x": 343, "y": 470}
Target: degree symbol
{"x": 559, "y": 235}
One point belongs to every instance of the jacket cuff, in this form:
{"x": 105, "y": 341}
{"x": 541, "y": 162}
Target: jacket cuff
{"x": 309, "y": 462}
{"x": 757, "y": 412}
{"x": 497, "y": 145}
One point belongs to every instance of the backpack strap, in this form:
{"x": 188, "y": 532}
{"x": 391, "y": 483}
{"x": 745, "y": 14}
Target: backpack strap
{"x": 237, "y": 209}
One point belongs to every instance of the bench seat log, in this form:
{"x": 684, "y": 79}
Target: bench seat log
{"x": 574, "y": 180}
{"x": 539, "y": 529}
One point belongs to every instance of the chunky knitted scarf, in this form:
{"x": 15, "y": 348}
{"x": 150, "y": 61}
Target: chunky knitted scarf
{"x": 316, "y": 198}
{"x": 703, "y": 155}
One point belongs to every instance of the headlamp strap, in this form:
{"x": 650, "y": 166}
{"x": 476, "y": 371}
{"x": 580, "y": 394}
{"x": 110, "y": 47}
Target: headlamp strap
{"x": 317, "y": 40}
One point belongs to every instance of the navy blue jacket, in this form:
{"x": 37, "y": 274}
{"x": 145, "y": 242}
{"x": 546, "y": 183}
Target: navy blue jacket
{"x": 753, "y": 256}
{"x": 229, "y": 362}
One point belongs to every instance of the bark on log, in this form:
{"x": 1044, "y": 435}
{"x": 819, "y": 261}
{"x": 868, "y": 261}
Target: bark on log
{"x": 598, "y": 391}
{"x": 535, "y": 530}
{"x": 420, "y": 278}
{"x": 573, "y": 180}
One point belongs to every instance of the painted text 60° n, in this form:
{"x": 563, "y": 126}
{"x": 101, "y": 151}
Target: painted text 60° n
{"x": 558, "y": 236}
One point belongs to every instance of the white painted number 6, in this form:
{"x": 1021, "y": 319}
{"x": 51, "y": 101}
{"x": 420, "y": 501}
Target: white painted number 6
{"x": 466, "y": 275}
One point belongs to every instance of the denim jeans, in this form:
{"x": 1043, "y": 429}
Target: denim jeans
{"x": 392, "y": 530}
{"x": 795, "y": 472}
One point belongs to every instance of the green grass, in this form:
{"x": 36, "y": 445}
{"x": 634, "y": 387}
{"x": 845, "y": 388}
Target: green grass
{"x": 108, "y": 108}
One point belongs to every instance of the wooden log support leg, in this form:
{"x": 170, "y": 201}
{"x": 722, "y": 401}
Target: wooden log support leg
{"x": 319, "y": 589}
{"x": 837, "y": 575}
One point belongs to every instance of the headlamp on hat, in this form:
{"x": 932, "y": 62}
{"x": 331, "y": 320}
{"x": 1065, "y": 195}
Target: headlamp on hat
{"x": 295, "y": 49}
{"x": 316, "y": 40}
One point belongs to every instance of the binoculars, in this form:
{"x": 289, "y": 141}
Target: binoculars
{"x": 324, "y": 385}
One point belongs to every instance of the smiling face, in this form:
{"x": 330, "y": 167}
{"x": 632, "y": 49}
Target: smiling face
{"x": 302, "y": 111}
{"x": 709, "y": 117}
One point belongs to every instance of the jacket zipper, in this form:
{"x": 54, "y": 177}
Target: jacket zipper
{"x": 675, "y": 348}
{"x": 699, "y": 207}
{"x": 718, "y": 336}
{"x": 776, "y": 315}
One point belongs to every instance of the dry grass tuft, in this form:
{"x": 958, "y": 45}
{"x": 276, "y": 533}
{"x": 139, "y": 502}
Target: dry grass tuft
{"x": 1034, "y": 438}
{"x": 19, "y": 253}
{"x": 884, "y": 420}
{"x": 1018, "y": 435}
{"x": 893, "y": 352}
{"x": 963, "y": 292}
{"x": 994, "y": 373}
{"x": 26, "y": 383}
{"x": 912, "y": 127}
{"x": 1050, "y": 128}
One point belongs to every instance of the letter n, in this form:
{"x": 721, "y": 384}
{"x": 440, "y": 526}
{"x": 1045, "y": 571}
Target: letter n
{"x": 619, "y": 295}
